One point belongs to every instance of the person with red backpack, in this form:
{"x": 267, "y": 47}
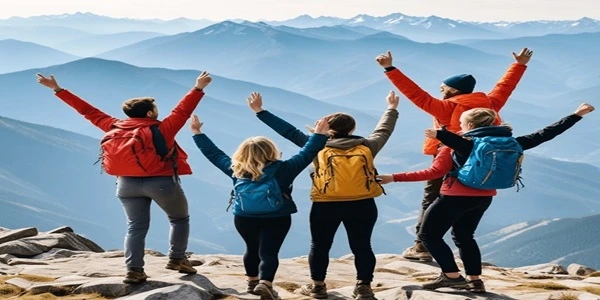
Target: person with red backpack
{"x": 142, "y": 153}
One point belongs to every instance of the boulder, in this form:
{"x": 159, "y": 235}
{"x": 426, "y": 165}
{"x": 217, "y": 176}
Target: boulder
{"x": 543, "y": 268}
{"x": 55, "y": 253}
{"x": 13, "y": 235}
{"x": 31, "y": 246}
{"x": 63, "y": 229}
{"x": 5, "y": 258}
{"x": 180, "y": 292}
{"x": 114, "y": 287}
{"x": 579, "y": 270}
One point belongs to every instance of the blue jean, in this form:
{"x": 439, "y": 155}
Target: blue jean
{"x": 136, "y": 195}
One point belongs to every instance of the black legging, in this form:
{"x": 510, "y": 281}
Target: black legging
{"x": 359, "y": 219}
{"x": 463, "y": 214}
{"x": 263, "y": 237}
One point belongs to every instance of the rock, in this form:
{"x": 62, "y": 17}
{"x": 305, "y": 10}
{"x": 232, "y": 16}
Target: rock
{"x": 55, "y": 253}
{"x": 63, "y": 229}
{"x": 24, "y": 261}
{"x": 595, "y": 280}
{"x": 12, "y": 235}
{"x": 50, "y": 287}
{"x": 9, "y": 270}
{"x": 197, "y": 262}
{"x": 20, "y": 283}
{"x": 114, "y": 287}
{"x": 542, "y": 268}
{"x": 153, "y": 253}
{"x": 180, "y": 292}
{"x": 5, "y": 258}
{"x": 31, "y": 246}
{"x": 579, "y": 270}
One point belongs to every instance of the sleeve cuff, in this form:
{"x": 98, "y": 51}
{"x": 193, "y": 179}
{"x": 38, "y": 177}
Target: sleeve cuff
{"x": 390, "y": 69}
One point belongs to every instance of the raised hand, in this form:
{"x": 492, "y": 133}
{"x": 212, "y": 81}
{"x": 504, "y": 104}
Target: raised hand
{"x": 203, "y": 80}
{"x": 392, "y": 100}
{"x": 523, "y": 57}
{"x": 196, "y": 125}
{"x": 385, "y": 178}
{"x": 48, "y": 82}
{"x": 431, "y": 133}
{"x": 584, "y": 109}
{"x": 322, "y": 126}
{"x": 384, "y": 60}
{"x": 255, "y": 102}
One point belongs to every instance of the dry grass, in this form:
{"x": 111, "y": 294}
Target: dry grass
{"x": 288, "y": 286}
{"x": 595, "y": 274}
{"x": 545, "y": 286}
{"x": 564, "y": 296}
{"x": 9, "y": 290}
{"x": 48, "y": 296}
{"x": 32, "y": 278}
{"x": 591, "y": 289}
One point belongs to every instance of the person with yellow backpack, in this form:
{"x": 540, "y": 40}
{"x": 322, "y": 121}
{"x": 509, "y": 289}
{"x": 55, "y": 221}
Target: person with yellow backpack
{"x": 344, "y": 186}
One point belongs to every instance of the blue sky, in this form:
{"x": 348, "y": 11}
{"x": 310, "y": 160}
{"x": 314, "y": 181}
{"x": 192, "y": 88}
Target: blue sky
{"x": 470, "y": 10}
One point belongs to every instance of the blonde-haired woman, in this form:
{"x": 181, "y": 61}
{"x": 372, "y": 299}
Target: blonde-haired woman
{"x": 461, "y": 207}
{"x": 262, "y": 203}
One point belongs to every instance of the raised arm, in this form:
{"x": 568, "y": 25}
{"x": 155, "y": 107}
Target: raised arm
{"x": 535, "y": 139}
{"x": 293, "y": 166}
{"x": 461, "y": 145}
{"x": 171, "y": 125}
{"x": 280, "y": 126}
{"x": 92, "y": 114}
{"x": 433, "y": 106}
{"x": 386, "y": 125}
{"x": 215, "y": 155}
{"x": 442, "y": 165}
{"x": 507, "y": 84}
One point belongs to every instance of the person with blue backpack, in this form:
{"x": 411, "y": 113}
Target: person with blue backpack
{"x": 261, "y": 197}
{"x": 474, "y": 165}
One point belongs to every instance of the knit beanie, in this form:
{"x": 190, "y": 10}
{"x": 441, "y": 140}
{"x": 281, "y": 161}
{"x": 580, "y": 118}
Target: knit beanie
{"x": 462, "y": 82}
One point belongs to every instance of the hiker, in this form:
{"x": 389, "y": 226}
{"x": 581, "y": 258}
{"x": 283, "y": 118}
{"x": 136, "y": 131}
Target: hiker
{"x": 261, "y": 197}
{"x": 461, "y": 204}
{"x": 142, "y": 153}
{"x": 343, "y": 191}
{"x": 457, "y": 97}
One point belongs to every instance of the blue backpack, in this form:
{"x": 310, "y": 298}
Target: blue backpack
{"x": 262, "y": 196}
{"x": 494, "y": 163}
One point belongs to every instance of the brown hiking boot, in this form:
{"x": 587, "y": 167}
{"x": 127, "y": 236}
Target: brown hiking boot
{"x": 266, "y": 292}
{"x": 251, "y": 285}
{"x": 445, "y": 281}
{"x": 476, "y": 286}
{"x": 317, "y": 291}
{"x": 182, "y": 265}
{"x": 363, "y": 292}
{"x": 417, "y": 252}
{"x": 134, "y": 277}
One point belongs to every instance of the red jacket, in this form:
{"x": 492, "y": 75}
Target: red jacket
{"x": 169, "y": 127}
{"x": 442, "y": 165}
{"x": 447, "y": 112}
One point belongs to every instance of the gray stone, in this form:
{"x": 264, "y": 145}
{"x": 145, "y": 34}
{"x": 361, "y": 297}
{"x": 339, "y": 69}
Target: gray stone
{"x": 579, "y": 270}
{"x": 20, "y": 283}
{"x": 595, "y": 280}
{"x": 12, "y": 235}
{"x": 55, "y": 253}
{"x": 542, "y": 268}
{"x": 179, "y": 292}
{"x": 24, "y": 261}
{"x": 114, "y": 287}
{"x": 5, "y": 258}
{"x": 197, "y": 262}
{"x": 63, "y": 229}
{"x": 153, "y": 253}
{"x": 31, "y": 246}
{"x": 54, "y": 286}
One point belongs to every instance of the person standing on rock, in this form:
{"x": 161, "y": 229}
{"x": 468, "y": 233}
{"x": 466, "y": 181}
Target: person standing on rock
{"x": 261, "y": 197}
{"x": 461, "y": 206}
{"x": 457, "y": 97}
{"x": 142, "y": 153}
{"x": 343, "y": 192}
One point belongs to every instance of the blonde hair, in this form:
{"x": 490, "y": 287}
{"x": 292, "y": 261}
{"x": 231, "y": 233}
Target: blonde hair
{"x": 480, "y": 117}
{"x": 252, "y": 155}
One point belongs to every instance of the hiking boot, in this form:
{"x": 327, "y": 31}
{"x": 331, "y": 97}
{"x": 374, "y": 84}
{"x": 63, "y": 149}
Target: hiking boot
{"x": 251, "y": 285}
{"x": 445, "y": 281}
{"x": 363, "y": 292}
{"x": 476, "y": 286}
{"x": 417, "y": 252}
{"x": 266, "y": 292}
{"x": 182, "y": 265}
{"x": 317, "y": 291}
{"x": 134, "y": 277}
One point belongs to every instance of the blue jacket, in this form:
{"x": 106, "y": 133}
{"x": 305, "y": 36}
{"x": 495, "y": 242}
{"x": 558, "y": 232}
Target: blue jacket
{"x": 287, "y": 170}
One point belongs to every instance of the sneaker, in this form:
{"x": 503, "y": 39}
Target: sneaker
{"x": 476, "y": 286}
{"x": 251, "y": 285}
{"x": 134, "y": 277}
{"x": 445, "y": 281}
{"x": 266, "y": 292}
{"x": 182, "y": 265}
{"x": 417, "y": 252}
{"x": 316, "y": 291}
{"x": 363, "y": 292}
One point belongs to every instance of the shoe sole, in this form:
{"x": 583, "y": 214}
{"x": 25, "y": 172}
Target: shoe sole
{"x": 458, "y": 287}
{"x": 424, "y": 259}
{"x": 265, "y": 292}
{"x": 319, "y": 296}
{"x": 133, "y": 281}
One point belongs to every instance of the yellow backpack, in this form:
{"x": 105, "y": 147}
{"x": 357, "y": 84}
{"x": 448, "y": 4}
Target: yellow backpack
{"x": 344, "y": 174}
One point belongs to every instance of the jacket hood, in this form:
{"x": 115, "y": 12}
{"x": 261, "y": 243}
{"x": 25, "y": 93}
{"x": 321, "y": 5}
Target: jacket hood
{"x": 472, "y": 100}
{"x": 132, "y": 123}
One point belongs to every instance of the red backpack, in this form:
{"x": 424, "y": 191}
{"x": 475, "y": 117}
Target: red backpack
{"x": 136, "y": 152}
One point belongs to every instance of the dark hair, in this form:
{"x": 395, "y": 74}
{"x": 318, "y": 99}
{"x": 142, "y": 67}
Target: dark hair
{"x": 138, "y": 107}
{"x": 340, "y": 124}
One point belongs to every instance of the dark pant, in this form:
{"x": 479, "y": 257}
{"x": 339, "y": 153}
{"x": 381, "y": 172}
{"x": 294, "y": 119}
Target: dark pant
{"x": 359, "y": 219}
{"x": 136, "y": 195}
{"x": 263, "y": 238}
{"x": 430, "y": 194}
{"x": 463, "y": 214}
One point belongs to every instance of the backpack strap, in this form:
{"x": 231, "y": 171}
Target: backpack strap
{"x": 160, "y": 144}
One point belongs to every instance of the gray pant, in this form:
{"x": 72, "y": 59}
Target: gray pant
{"x": 136, "y": 195}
